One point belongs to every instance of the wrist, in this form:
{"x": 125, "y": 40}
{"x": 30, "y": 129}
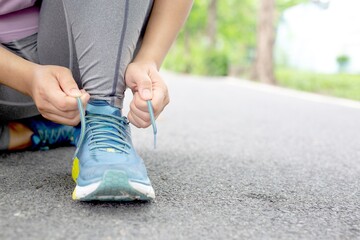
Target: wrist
{"x": 150, "y": 54}
{"x": 30, "y": 75}
{"x": 146, "y": 62}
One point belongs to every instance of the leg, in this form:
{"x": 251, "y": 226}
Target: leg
{"x": 103, "y": 39}
{"x": 19, "y": 136}
{"x": 14, "y": 105}
{"x": 4, "y": 137}
{"x": 99, "y": 40}
{"x": 18, "y": 133}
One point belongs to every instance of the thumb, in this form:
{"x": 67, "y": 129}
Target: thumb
{"x": 144, "y": 87}
{"x": 68, "y": 84}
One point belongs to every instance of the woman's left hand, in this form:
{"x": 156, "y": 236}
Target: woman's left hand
{"x": 144, "y": 79}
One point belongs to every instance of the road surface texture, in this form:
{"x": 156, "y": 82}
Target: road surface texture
{"x": 235, "y": 160}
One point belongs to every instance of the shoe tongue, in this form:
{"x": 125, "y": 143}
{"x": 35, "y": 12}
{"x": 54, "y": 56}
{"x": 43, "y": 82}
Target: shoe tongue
{"x": 103, "y": 108}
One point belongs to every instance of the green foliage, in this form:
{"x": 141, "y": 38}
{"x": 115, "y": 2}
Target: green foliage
{"x": 235, "y": 47}
{"x": 196, "y": 22}
{"x": 203, "y": 60}
{"x": 236, "y": 25}
{"x": 217, "y": 63}
{"x": 343, "y": 60}
{"x": 284, "y": 4}
{"x": 340, "y": 85}
{"x": 235, "y": 40}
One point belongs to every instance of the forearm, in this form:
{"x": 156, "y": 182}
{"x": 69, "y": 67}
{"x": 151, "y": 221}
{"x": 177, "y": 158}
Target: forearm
{"x": 15, "y": 72}
{"x": 167, "y": 18}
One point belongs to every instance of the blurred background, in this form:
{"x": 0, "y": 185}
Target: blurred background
{"x": 309, "y": 45}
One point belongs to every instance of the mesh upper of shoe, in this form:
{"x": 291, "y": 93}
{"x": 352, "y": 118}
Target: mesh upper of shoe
{"x": 48, "y": 134}
{"x": 105, "y": 143}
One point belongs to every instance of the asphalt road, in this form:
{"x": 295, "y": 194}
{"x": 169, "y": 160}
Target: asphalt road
{"x": 234, "y": 161}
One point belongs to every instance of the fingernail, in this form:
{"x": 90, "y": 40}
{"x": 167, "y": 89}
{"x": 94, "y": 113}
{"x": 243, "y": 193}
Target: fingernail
{"x": 146, "y": 94}
{"x": 75, "y": 92}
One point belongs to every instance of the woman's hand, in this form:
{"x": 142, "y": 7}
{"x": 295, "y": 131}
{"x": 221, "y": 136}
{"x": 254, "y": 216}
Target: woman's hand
{"x": 53, "y": 90}
{"x": 144, "y": 80}
{"x": 142, "y": 76}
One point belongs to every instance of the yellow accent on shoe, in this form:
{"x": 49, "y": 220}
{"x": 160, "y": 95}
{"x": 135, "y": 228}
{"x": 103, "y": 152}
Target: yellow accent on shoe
{"x": 74, "y": 195}
{"x": 75, "y": 169}
{"x": 110, "y": 150}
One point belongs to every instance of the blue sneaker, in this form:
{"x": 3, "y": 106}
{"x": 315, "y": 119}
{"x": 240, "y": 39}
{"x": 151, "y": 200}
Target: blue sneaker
{"x": 106, "y": 166}
{"x": 48, "y": 134}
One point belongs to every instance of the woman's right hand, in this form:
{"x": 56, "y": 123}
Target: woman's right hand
{"x": 54, "y": 92}
{"x": 52, "y": 88}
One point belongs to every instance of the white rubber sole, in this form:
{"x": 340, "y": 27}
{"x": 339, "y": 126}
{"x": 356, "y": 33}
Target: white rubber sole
{"x": 114, "y": 186}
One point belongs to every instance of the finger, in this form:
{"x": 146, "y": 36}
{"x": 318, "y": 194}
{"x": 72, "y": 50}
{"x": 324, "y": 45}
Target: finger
{"x": 65, "y": 103}
{"x": 62, "y": 102}
{"x": 47, "y": 107}
{"x": 139, "y": 102}
{"x": 159, "y": 101}
{"x": 62, "y": 120}
{"x": 67, "y": 115}
{"x": 67, "y": 83}
{"x": 141, "y": 82}
{"x": 56, "y": 97}
{"x": 54, "y": 111}
{"x": 145, "y": 88}
{"x": 132, "y": 121}
{"x": 136, "y": 121}
{"x": 85, "y": 97}
{"x": 160, "y": 93}
{"x": 156, "y": 78}
{"x": 66, "y": 106}
{"x": 145, "y": 116}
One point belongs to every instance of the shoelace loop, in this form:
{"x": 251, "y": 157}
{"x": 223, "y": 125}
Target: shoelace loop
{"x": 100, "y": 133}
{"x": 99, "y": 138}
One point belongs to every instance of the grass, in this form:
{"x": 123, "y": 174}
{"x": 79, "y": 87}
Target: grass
{"x": 339, "y": 85}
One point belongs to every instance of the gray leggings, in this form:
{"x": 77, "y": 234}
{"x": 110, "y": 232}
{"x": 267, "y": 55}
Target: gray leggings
{"x": 95, "y": 39}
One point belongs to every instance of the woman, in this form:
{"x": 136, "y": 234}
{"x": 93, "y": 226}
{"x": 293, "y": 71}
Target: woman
{"x": 58, "y": 53}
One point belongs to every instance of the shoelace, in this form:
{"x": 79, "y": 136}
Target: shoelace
{"x": 47, "y": 133}
{"x": 100, "y": 136}
{"x": 152, "y": 118}
{"x": 52, "y": 137}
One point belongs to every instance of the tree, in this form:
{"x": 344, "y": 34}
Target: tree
{"x": 268, "y": 16}
{"x": 220, "y": 38}
{"x": 212, "y": 22}
{"x": 263, "y": 68}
